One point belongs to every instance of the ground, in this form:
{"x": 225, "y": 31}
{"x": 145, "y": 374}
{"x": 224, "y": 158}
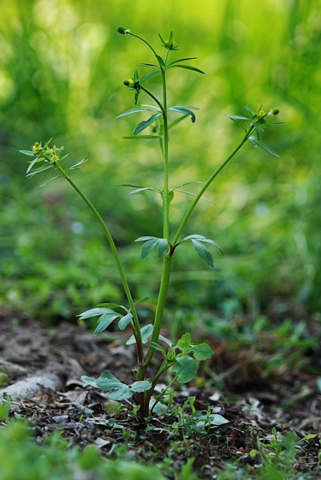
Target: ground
{"x": 263, "y": 408}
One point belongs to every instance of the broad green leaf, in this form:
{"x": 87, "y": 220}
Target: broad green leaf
{"x": 89, "y": 381}
{"x": 202, "y": 351}
{"x": 186, "y": 368}
{"x": 213, "y": 419}
{"x": 125, "y": 321}
{"x": 208, "y": 240}
{"x": 142, "y": 137}
{"x": 255, "y": 141}
{"x": 181, "y": 60}
{"x": 94, "y": 312}
{"x": 107, "y": 381}
{"x": 162, "y": 246}
{"x": 146, "y": 332}
{"x": 142, "y": 125}
{"x": 48, "y": 181}
{"x": 141, "y": 386}
{"x": 187, "y": 67}
{"x": 104, "y": 322}
{"x": 121, "y": 393}
{"x": 29, "y": 153}
{"x": 184, "y": 343}
{"x": 203, "y": 252}
{"x": 135, "y": 110}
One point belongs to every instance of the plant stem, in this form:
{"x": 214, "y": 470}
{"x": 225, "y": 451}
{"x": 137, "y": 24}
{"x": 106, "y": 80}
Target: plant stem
{"x": 207, "y": 184}
{"x": 135, "y": 325}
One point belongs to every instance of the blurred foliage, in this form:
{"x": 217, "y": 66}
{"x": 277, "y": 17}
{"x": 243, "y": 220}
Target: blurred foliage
{"x": 62, "y": 67}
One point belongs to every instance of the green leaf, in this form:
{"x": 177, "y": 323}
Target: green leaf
{"x": 166, "y": 340}
{"x": 201, "y": 238}
{"x": 185, "y": 111}
{"x": 162, "y": 246}
{"x": 116, "y": 389}
{"x": 146, "y": 332}
{"x": 141, "y": 300}
{"x": 29, "y": 153}
{"x": 89, "y": 381}
{"x": 142, "y": 137}
{"x": 141, "y": 386}
{"x": 142, "y": 125}
{"x": 48, "y": 181}
{"x": 148, "y": 65}
{"x": 143, "y": 239}
{"x": 203, "y": 252}
{"x": 202, "y": 351}
{"x": 186, "y": 368}
{"x": 158, "y": 347}
{"x": 184, "y": 343}
{"x": 95, "y": 312}
{"x": 237, "y": 117}
{"x": 77, "y": 165}
{"x": 146, "y": 77}
{"x": 138, "y": 190}
{"x": 255, "y": 141}
{"x": 40, "y": 170}
{"x": 161, "y": 61}
{"x": 111, "y": 306}
{"x": 125, "y": 321}
{"x": 136, "y": 110}
{"x": 187, "y": 67}
{"x": 181, "y": 60}
{"x": 149, "y": 246}
{"x": 104, "y": 322}
{"x": 177, "y": 121}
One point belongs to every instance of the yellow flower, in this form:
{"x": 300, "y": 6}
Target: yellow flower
{"x": 54, "y": 158}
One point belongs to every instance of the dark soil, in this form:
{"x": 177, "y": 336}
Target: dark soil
{"x": 253, "y": 401}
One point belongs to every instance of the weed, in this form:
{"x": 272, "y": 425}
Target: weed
{"x": 183, "y": 356}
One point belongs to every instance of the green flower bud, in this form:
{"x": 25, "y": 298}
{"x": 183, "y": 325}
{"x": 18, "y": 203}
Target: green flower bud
{"x": 123, "y": 30}
{"x": 54, "y": 158}
{"x": 273, "y": 112}
{"x": 129, "y": 83}
{"x": 37, "y": 147}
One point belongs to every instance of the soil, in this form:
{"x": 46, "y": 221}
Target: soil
{"x": 257, "y": 405}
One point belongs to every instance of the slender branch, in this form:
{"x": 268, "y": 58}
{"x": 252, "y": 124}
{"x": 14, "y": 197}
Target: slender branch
{"x": 207, "y": 184}
{"x": 135, "y": 324}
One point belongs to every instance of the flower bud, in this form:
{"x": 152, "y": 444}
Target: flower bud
{"x": 37, "y": 147}
{"x": 54, "y": 158}
{"x": 123, "y": 30}
{"x": 129, "y": 83}
{"x": 273, "y": 112}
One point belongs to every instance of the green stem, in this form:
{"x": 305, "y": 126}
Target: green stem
{"x": 207, "y": 184}
{"x": 136, "y": 326}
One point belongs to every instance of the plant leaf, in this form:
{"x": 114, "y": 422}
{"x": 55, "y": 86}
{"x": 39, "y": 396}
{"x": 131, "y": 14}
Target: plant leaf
{"x": 138, "y": 190}
{"x": 142, "y": 137}
{"x": 148, "y": 246}
{"x": 95, "y": 312}
{"x": 203, "y": 252}
{"x": 125, "y": 321}
{"x": 185, "y": 111}
{"x": 184, "y": 343}
{"x": 162, "y": 246}
{"x": 187, "y": 67}
{"x": 48, "y": 181}
{"x": 141, "y": 386}
{"x": 104, "y": 322}
{"x": 181, "y": 60}
{"x": 146, "y": 332}
{"x": 136, "y": 110}
{"x": 202, "y": 351}
{"x": 186, "y": 368}
{"x": 27, "y": 152}
{"x": 255, "y": 141}
{"x": 177, "y": 121}
{"x": 158, "y": 347}
{"x": 145, "y": 77}
{"x": 142, "y": 125}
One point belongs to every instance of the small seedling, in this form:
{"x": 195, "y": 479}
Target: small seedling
{"x": 159, "y": 118}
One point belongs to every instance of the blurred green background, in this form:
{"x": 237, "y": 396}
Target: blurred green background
{"x": 62, "y": 67}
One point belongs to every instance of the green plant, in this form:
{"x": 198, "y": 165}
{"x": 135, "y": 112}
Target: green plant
{"x": 183, "y": 356}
